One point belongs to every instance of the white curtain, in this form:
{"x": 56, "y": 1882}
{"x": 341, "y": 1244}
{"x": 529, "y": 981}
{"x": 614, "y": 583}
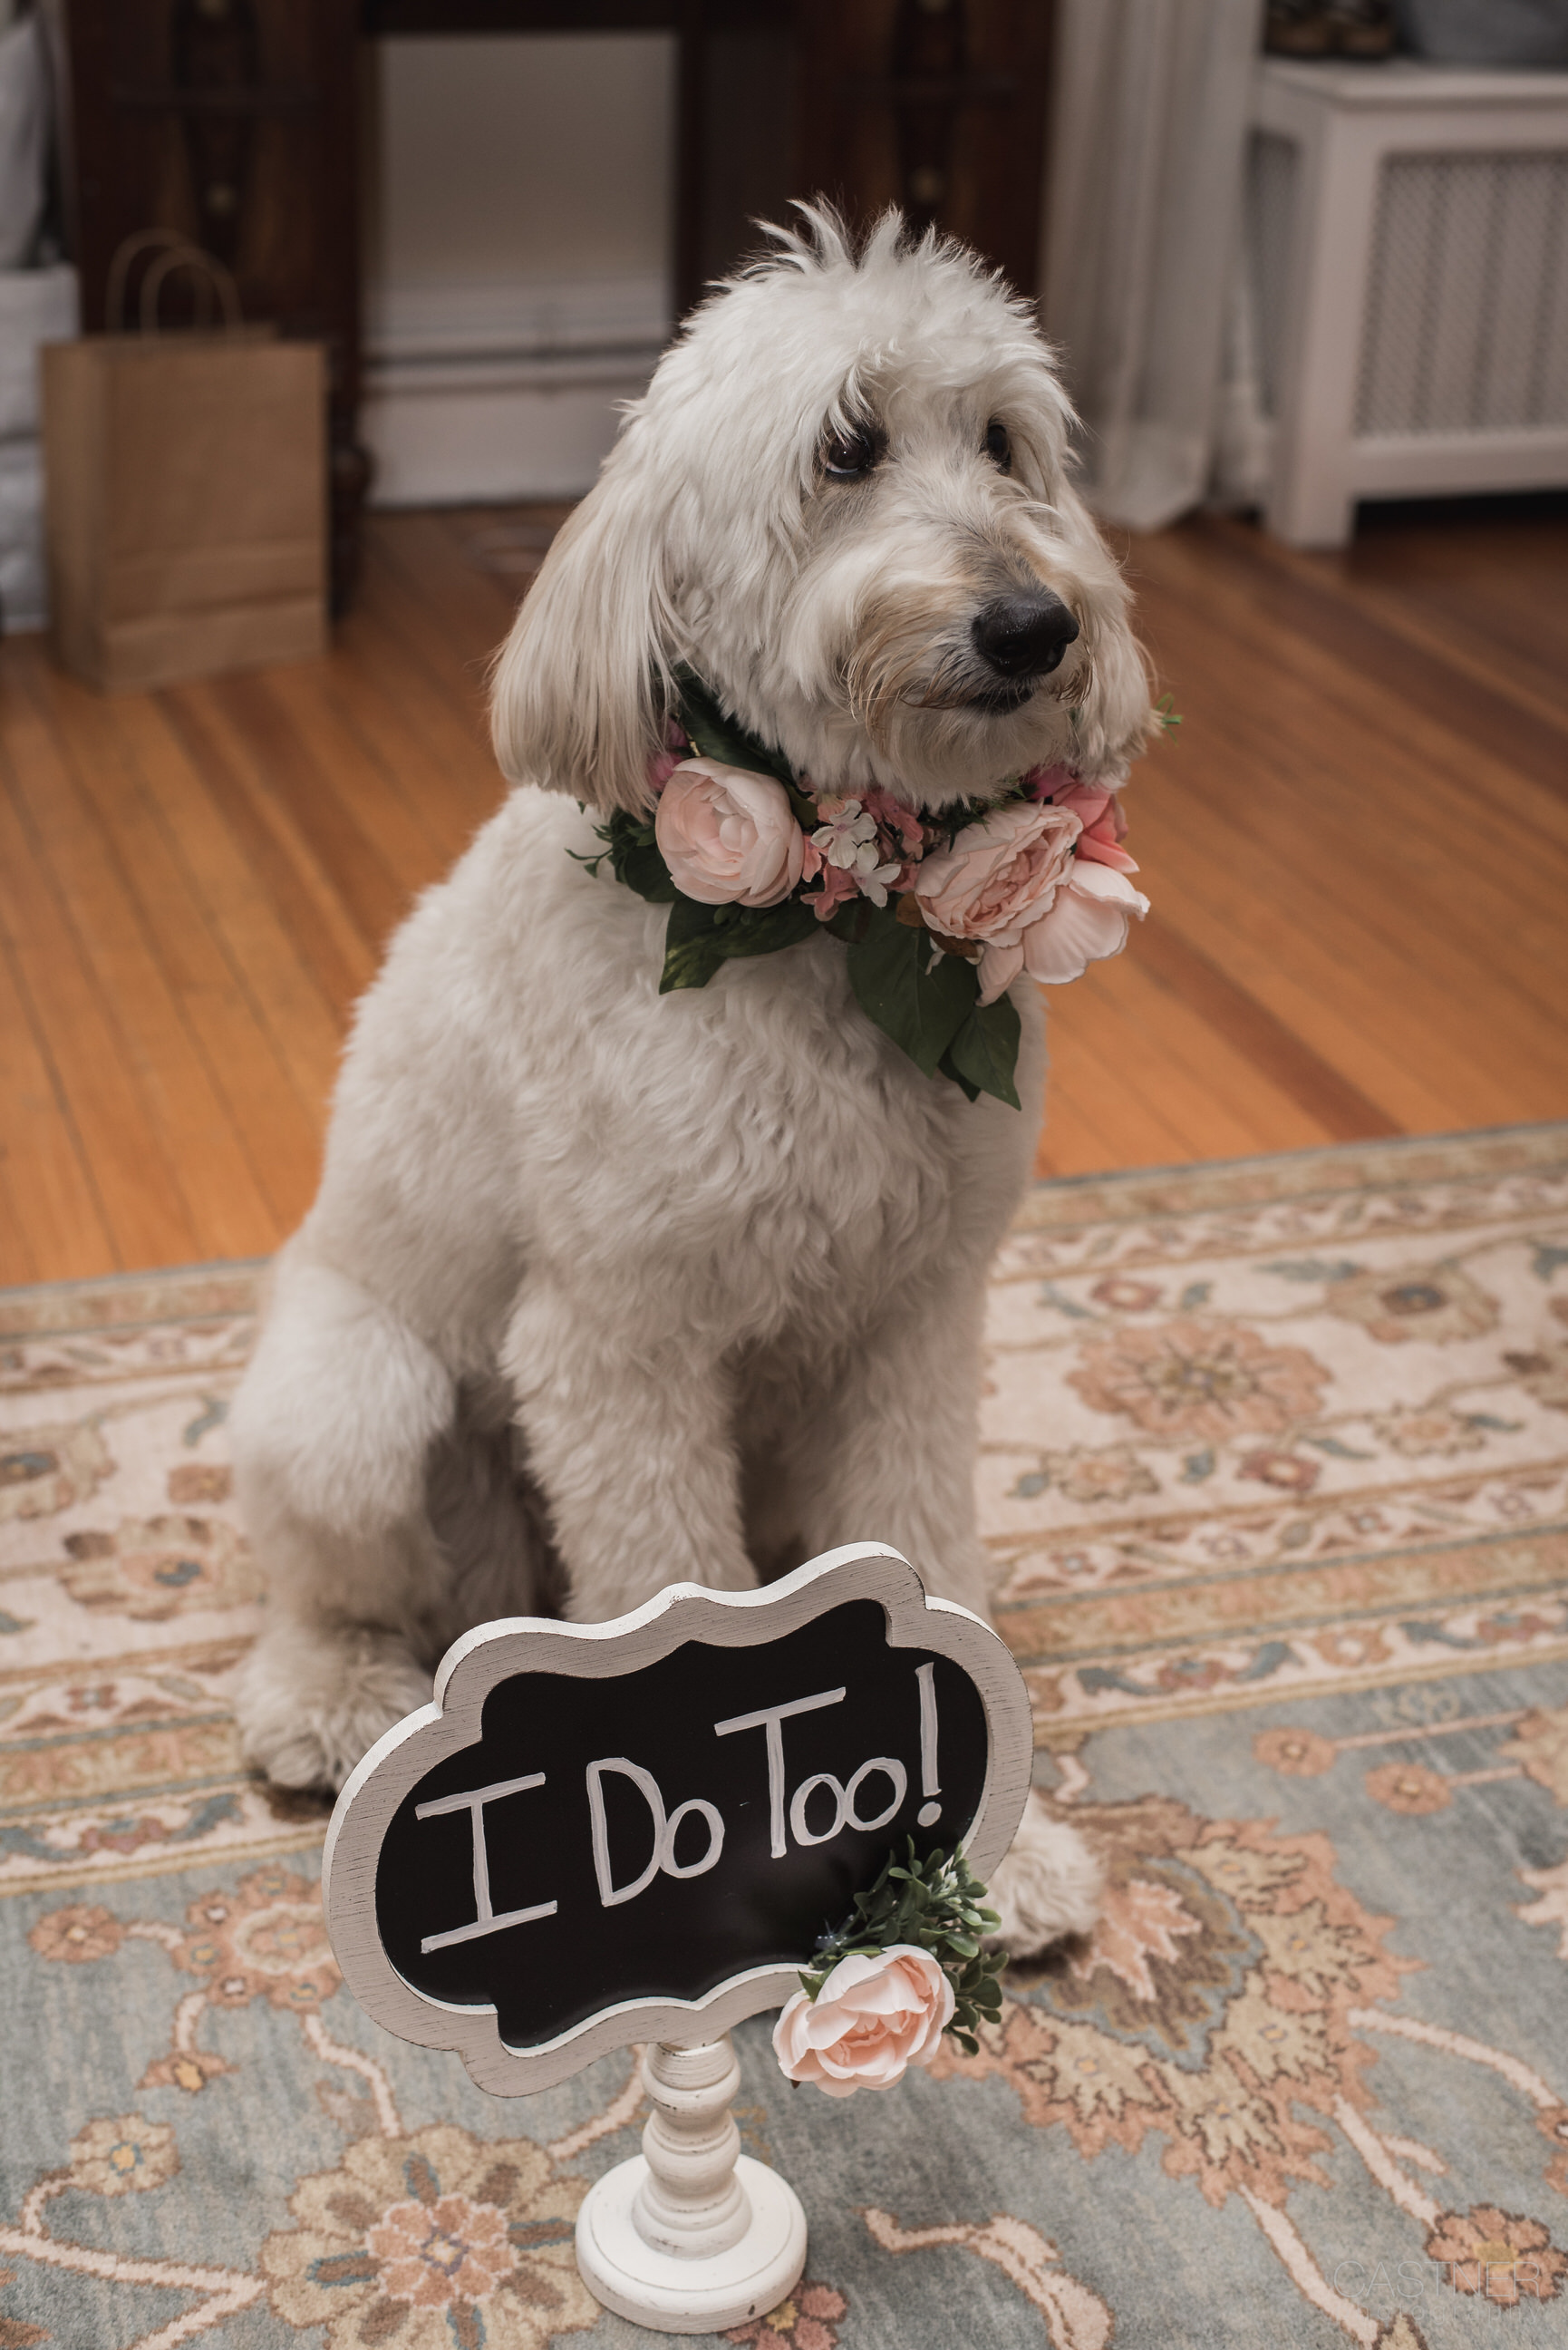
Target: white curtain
{"x": 1143, "y": 214}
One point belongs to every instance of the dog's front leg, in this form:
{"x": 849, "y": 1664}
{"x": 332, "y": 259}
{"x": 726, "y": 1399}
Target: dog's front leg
{"x": 629, "y": 1433}
{"x": 332, "y": 1430}
{"x": 895, "y": 1453}
{"x": 890, "y": 1454}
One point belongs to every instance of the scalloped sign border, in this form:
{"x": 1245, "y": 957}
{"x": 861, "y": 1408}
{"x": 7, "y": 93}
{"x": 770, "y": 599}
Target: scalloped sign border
{"x": 493, "y": 1653}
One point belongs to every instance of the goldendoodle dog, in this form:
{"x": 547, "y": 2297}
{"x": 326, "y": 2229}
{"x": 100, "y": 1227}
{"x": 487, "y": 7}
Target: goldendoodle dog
{"x": 610, "y": 1285}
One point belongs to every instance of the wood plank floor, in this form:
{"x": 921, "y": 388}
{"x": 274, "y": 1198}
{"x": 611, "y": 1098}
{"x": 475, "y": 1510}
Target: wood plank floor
{"x": 1356, "y": 846}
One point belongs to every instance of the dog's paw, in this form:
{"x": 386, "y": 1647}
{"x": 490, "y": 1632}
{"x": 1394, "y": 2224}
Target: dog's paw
{"x": 1049, "y": 1885}
{"x": 310, "y": 1702}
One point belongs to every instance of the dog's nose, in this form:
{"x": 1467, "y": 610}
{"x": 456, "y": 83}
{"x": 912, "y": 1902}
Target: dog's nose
{"x": 1023, "y": 636}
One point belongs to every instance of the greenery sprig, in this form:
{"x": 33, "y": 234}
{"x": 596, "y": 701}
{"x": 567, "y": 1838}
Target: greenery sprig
{"x": 937, "y": 1905}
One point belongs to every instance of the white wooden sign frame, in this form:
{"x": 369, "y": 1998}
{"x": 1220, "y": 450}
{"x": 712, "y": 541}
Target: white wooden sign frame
{"x": 475, "y": 1665}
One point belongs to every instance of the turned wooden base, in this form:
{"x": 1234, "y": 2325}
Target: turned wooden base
{"x": 691, "y": 2235}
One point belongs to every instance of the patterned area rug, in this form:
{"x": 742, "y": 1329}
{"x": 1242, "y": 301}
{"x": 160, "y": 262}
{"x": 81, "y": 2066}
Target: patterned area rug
{"x": 1274, "y": 1468}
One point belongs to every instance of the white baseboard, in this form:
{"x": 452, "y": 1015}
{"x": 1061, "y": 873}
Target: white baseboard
{"x": 502, "y": 392}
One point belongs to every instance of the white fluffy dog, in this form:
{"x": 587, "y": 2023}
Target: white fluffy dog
{"x": 605, "y": 1290}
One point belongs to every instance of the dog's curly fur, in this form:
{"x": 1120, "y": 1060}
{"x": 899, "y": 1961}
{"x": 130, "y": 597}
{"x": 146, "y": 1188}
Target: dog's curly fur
{"x": 604, "y": 1290}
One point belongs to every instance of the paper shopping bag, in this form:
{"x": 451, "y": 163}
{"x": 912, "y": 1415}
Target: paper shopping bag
{"x": 185, "y": 499}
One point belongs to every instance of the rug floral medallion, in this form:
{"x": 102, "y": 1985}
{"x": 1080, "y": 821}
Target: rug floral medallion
{"x": 1275, "y": 1467}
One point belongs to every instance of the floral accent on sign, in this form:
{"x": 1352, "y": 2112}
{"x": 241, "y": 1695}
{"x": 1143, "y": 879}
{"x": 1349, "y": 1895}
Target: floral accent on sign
{"x": 266, "y": 1940}
{"x": 1497, "y": 2254}
{"x": 1200, "y": 1380}
{"x": 152, "y": 1568}
{"x": 127, "y": 2156}
{"x": 1438, "y": 1304}
{"x": 904, "y": 1967}
{"x": 47, "y": 1469}
{"x": 1539, "y": 1747}
{"x": 808, "y": 2320}
{"x": 436, "y": 2240}
{"x": 873, "y": 2017}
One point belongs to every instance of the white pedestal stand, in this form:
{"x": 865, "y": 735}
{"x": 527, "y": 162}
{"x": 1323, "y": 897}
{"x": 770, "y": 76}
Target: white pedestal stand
{"x": 691, "y": 2235}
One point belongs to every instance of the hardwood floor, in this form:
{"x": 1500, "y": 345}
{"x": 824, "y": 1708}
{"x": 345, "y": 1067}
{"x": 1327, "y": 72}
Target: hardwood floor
{"x": 1357, "y": 845}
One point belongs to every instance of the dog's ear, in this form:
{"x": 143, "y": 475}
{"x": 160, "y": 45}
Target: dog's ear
{"x": 578, "y": 691}
{"x": 1114, "y": 717}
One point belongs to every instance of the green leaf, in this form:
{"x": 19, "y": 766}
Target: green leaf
{"x": 699, "y": 939}
{"x": 645, "y": 870}
{"x": 922, "y": 1011}
{"x": 946, "y": 1068}
{"x": 725, "y": 739}
{"x": 635, "y": 858}
{"x": 984, "y": 1052}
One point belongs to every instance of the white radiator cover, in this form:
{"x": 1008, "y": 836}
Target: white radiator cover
{"x": 1407, "y": 270}
{"x": 1466, "y": 306}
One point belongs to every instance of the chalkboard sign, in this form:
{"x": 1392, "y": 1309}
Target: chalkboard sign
{"x": 599, "y": 1833}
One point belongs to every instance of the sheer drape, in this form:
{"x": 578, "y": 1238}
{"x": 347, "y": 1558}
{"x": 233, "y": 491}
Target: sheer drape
{"x": 1144, "y": 210}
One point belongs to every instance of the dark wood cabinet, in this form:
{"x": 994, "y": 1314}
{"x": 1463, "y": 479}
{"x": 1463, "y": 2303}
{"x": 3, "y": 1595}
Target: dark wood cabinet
{"x": 938, "y": 106}
{"x": 237, "y": 124}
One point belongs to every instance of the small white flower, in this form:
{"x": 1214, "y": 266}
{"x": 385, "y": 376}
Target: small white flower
{"x": 847, "y": 837}
{"x": 874, "y": 884}
{"x": 849, "y": 840}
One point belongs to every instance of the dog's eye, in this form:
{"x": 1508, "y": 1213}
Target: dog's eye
{"x": 849, "y": 455}
{"x": 998, "y": 446}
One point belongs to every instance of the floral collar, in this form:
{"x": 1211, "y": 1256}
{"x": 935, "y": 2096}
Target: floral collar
{"x": 939, "y": 912}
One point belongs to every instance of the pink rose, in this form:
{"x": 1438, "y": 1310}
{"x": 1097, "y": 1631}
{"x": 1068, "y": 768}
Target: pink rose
{"x": 999, "y": 876}
{"x": 1086, "y": 921}
{"x": 838, "y": 887}
{"x": 1104, "y": 825}
{"x": 729, "y": 837}
{"x": 872, "y": 2019}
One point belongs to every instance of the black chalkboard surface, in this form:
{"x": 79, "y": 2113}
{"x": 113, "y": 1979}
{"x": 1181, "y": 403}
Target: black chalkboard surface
{"x": 598, "y": 1827}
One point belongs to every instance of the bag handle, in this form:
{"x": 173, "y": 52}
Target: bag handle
{"x": 174, "y": 252}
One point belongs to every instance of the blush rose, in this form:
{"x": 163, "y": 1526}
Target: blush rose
{"x": 999, "y": 876}
{"x": 1086, "y": 921}
{"x": 729, "y": 837}
{"x": 1014, "y": 882}
{"x": 873, "y": 2018}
